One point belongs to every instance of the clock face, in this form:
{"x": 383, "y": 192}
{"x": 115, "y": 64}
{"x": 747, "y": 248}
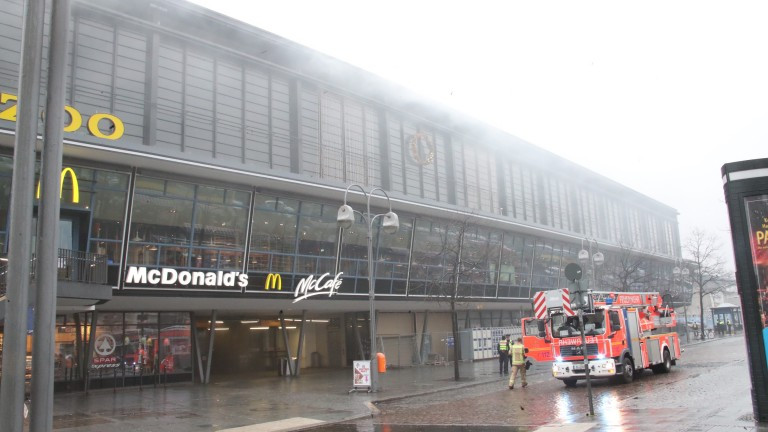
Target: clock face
{"x": 421, "y": 148}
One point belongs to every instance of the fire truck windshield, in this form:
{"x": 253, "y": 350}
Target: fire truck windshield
{"x": 565, "y": 326}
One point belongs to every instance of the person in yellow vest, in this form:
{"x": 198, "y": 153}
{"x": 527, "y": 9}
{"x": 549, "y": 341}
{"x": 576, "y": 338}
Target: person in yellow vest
{"x": 503, "y": 348}
{"x": 518, "y": 353}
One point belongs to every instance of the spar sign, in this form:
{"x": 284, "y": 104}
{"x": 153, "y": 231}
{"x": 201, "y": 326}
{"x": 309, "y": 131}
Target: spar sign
{"x": 104, "y": 352}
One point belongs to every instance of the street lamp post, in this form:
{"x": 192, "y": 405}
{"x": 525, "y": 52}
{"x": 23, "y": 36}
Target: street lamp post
{"x": 594, "y": 259}
{"x": 390, "y": 224}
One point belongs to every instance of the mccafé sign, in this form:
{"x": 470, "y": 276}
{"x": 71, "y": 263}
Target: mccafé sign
{"x": 308, "y": 287}
{"x": 111, "y": 123}
{"x": 174, "y": 278}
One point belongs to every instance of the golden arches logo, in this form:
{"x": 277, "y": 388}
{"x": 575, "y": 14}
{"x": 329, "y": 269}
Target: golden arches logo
{"x": 75, "y": 185}
{"x": 274, "y": 280}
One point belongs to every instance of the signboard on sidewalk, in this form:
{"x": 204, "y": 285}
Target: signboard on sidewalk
{"x": 362, "y": 373}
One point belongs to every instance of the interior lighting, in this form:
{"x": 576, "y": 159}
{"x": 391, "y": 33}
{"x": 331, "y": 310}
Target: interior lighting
{"x": 221, "y": 328}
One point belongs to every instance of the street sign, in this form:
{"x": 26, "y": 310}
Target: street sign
{"x": 361, "y": 373}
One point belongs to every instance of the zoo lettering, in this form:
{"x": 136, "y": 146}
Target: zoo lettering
{"x": 115, "y": 128}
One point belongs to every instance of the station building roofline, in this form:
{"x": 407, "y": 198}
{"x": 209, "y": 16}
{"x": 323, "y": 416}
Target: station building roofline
{"x": 263, "y": 46}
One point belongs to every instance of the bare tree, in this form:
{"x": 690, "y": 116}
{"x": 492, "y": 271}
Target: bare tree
{"x": 625, "y": 270}
{"x": 459, "y": 256}
{"x": 708, "y": 275}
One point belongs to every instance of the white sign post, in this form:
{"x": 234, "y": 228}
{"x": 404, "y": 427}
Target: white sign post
{"x": 361, "y": 378}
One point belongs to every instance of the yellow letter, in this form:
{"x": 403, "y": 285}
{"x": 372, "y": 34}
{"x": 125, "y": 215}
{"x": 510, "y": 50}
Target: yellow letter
{"x": 75, "y": 117}
{"x": 10, "y": 112}
{"x": 93, "y": 126}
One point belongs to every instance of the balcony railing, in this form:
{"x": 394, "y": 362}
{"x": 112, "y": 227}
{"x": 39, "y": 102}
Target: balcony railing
{"x": 73, "y": 266}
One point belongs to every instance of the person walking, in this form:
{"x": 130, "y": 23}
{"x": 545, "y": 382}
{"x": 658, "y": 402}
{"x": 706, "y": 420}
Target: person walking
{"x": 518, "y": 363}
{"x": 503, "y": 348}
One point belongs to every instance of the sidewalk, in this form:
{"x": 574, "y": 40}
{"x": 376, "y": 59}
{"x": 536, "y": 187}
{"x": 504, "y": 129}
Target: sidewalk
{"x": 320, "y": 394}
{"x": 272, "y": 403}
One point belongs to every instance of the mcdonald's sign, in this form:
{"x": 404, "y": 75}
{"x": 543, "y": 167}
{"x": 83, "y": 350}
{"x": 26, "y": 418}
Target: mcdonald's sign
{"x": 75, "y": 186}
{"x": 274, "y": 280}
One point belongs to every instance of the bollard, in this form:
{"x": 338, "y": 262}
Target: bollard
{"x": 381, "y": 359}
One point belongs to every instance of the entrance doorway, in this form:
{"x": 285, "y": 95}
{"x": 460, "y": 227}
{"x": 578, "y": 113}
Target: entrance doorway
{"x": 73, "y": 230}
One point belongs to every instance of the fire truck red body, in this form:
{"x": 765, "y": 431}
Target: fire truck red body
{"x": 627, "y": 332}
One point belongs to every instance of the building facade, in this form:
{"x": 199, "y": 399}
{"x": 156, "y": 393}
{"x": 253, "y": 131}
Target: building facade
{"x": 205, "y": 161}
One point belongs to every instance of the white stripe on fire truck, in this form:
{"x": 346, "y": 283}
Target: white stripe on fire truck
{"x": 567, "y": 303}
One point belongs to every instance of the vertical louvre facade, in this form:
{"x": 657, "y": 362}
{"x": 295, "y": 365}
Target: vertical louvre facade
{"x": 266, "y": 112}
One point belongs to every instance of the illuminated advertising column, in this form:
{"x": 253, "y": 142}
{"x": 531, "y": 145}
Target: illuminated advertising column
{"x": 746, "y": 192}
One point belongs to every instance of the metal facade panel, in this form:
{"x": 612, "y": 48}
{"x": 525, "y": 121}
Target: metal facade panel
{"x": 256, "y": 116}
{"x": 281, "y": 124}
{"x": 396, "y": 154}
{"x": 310, "y": 131}
{"x": 10, "y": 45}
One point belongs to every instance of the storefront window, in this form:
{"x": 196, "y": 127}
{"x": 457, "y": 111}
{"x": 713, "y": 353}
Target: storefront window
{"x": 177, "y": 224}
{"x": 318, "y": 237}
{"x": 273, "y": 234}
{"x": 175, "y": 343}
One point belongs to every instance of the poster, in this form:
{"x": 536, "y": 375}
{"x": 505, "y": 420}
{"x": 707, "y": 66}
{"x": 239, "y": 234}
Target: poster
{"x": 362, "y": 373}
{"x": 757, "y": 220}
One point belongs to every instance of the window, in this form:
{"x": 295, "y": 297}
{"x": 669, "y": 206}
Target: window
{"x": 615, "y": 320}
{"x": 177, "y": 224}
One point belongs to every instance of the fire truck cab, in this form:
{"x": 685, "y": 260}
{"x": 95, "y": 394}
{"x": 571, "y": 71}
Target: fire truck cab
{"x": 627, "y": 332}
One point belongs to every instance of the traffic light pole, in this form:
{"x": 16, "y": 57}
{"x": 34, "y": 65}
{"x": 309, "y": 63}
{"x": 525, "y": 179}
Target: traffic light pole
{"x": 586, "y": 361}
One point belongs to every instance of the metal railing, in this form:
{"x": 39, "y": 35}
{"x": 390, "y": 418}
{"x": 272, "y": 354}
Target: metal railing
{"x": 73, "y": 266}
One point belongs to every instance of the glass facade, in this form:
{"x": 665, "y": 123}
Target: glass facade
{"x": 134, "y": 347}
{"x": 204, "y": 227}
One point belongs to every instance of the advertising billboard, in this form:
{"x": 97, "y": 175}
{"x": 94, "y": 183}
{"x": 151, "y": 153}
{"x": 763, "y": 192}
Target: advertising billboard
{"x": 757, "y": 224}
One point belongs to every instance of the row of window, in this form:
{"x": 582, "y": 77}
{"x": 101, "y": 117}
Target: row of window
{"x": 199, "y": 226}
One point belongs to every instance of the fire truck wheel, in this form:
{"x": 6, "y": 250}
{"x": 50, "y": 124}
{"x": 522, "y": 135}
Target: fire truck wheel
{"x": 664, "y": 367}
{"x": 570, "y": 382}
{"x": 628, "y": 370}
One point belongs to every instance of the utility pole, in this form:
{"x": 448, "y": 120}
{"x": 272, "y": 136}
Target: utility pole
{"x": 13, "y": 384}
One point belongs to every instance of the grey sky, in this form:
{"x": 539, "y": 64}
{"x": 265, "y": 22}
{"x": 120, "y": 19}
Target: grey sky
{"x": 656, "y": 95}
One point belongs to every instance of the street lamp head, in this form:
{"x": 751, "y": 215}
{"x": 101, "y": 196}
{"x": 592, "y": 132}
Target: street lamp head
{"x": 391, "y": 223}
{"x": 598, "y": 258}
{"x": 584, "y": 256}
{"x": 676, "y": 271}
{"x": 346, "y": 216}
{"x": 685, "y": 272}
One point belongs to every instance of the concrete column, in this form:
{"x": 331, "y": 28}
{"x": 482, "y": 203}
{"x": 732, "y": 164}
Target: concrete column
{"x": 48, "y": 226}
{"x": 20, "y": 229}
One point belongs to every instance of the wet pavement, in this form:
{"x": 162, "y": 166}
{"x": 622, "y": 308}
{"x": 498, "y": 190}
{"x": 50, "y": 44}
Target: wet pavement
{"x": 707, "y": 391}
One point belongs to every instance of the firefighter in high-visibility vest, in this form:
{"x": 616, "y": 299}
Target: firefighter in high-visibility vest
{"x": 503, "y": 348}
{"x": 518, "y": 352}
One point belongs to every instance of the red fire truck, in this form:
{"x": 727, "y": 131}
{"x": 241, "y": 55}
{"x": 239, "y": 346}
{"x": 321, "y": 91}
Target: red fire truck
{"x": 628, "y": 331}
